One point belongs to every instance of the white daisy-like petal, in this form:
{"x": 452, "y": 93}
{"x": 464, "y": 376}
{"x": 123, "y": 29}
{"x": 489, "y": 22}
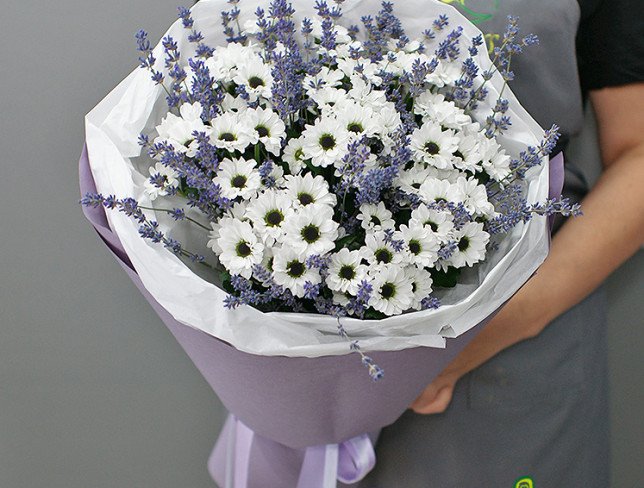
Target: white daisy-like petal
{"x": 238, "y": 178}
{"x": 440, "y": 222}
{"x": 432, "y": 145}
{"x": 359, "y": 121}
{"x": 435, "y": 190}
{"x": 222, "y": 65}
{"x": 230, "y": 132}
{"x": 412, "y": 179}
{"x": 305, "y": 190}
{"x": 421, "y": 285}
{"x": 446, "y": 73}
{"x": 178, "y": 131}
{"x": 468, "y": 155}
{"x": 256, "y": 77}
{"x": 435, "y": 109}
{"x": 241, "y": 249}
{"x": 294, "y": 155}
{"x": 472, "y": 241}
{"x": 341, "y": 33}
{"x": 475, "y": 197}
{"x": 375, "y": 217}
{"x": 268, "y": 212}
{"x": 290, "y": 270}
{"x": 324, "y": 78}
{"x": 392, "y": 290}
{"x": 169, "y": 177}
{"x": 366, "y": 95}
{"x": 267, "y": 128}
{"x": 325, "y": 142}
{"x": 311, "y": 230}
{"x": 496, "y": 162}
{"x": 233, "y": 104}
{"x": 378, "y": 251}
{"x": 421, "y": 244}
{"x": 346, "y": 271}
{"x": 329, "y": 100}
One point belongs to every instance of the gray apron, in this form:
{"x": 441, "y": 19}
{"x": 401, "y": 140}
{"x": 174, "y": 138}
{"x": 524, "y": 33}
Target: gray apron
{"x": 540, "y": 408}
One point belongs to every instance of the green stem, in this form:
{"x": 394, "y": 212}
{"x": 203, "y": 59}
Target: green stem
{"x": 171, "y": 211}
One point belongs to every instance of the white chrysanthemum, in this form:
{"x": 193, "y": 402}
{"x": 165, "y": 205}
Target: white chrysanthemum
{"x": 222, "y": 65}
{"x": 379, "y": 251}
{"x": 341, "y": 299}
{"x": 290, "y": 270}
{"x": 236, "y": 212}
{"x": 434, "y": 146}
{"x": 468, "y": 155}
{"x": 256, "y": 78}
{"x": 251, "y": 28}
{"x": 392, "y": 290}
{"x": 421, "y": 285}
{"x": 435, "y": 190}
{"x": 421, "y": 244}
{"x": 267, "y": 128}
{"x": 324, "y": 78}
{"x": 170, "y": 180}
{"x": 446, "y": 73}
{"x": 344, "y": 51}
{"x": 341, "y": 33}
{"x": 294, "y": 155}
{"x": 229, "y": 132}
{"x": 311, "y": 230}
{"x": 268, "y": 212}
{"x": 435, "y": 109}
{"x": 238, "y": 178}
{"x": 329, "y": 100}
{"x": 366, "y": 94}
{"x": 178, "y": 131}
{"x": 389, "y": 117}
{"x": 412, "y": 179}
{"x": 496, "y": 162}
{"x": 358, "y": 120}
{"x": 307, "y": 189}
{"x": 346, "y": 271}
{"x": 241, "y": 249}
{"x": 440, "y": 222}
{"x": 471, "y": 242}
{"x": 325, "y": 142}
{"x": 233, "y": 104}
{"x": 276, "y": 175}
{"x": 375, "y": 217}
{"x": 451, "y": 175}
{"x": 369, "y": 69}
{"x": 475, "y": 197}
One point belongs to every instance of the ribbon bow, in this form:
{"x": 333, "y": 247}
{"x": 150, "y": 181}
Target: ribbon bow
{"x": 323, "y": 466}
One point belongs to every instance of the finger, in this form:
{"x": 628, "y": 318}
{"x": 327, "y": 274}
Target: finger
{"x": 437, "y": 405}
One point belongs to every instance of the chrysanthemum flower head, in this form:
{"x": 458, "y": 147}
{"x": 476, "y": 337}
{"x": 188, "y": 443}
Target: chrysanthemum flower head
{"x": 238, "y": 178}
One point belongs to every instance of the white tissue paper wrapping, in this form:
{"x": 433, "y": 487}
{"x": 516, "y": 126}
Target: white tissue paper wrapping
{"x": 136, "y": 105}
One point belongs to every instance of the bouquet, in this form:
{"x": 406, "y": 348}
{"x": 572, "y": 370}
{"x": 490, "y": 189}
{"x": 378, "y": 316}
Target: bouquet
{"x": 320, "y": 184}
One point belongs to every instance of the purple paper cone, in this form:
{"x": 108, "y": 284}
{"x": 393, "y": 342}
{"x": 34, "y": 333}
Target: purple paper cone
{"x": 291, "y": 402}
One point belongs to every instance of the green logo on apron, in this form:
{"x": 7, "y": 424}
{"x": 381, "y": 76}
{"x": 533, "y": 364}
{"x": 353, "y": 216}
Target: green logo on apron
{"x": 524, "y": 483}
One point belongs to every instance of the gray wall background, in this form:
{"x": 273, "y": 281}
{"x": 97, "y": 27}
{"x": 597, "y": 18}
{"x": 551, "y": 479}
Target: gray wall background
{"x": 94, "y": 391}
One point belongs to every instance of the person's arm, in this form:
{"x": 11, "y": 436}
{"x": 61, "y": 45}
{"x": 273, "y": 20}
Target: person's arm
{"x": 584, "y": 252}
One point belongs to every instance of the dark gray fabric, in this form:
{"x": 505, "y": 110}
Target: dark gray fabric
{"x": 538, "y": 409}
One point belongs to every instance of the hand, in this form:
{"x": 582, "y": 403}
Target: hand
{"x": 509, "y": 326}
{"x": 437, "y": 396}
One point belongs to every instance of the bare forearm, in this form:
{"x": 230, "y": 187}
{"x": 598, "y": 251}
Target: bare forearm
{"x": 583, "y": 254}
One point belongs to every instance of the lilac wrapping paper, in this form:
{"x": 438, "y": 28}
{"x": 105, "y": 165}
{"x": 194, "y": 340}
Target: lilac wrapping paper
{"x": 293, "y": 403}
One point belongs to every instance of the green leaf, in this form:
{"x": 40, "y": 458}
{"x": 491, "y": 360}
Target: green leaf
{"x": 371, "y": 314}
{"x": 446, "y": 279}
